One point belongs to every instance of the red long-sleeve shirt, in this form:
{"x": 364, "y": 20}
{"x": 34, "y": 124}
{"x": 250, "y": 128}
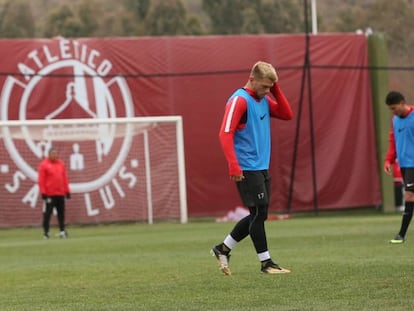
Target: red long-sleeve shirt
{"x": 52, "y": 178}
{"x": 233, "y": 121}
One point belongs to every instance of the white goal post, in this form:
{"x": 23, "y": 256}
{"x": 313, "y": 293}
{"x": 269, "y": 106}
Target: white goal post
{"x": 120, "y": 169}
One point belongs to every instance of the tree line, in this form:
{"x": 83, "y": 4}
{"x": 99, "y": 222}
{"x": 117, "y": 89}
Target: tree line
{"x": 128, "y": 18}
{"x": 98, "y": 18}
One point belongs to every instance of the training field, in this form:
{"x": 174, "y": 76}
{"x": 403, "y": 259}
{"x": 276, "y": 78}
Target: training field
{"x": 338, "y": 262}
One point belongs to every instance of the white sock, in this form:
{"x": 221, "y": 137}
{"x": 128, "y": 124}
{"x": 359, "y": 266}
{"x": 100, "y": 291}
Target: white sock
{"x": 264, "y": 256}
{"x": 230, "y": 242}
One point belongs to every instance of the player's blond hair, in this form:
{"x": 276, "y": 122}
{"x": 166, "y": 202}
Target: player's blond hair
{"x": 262, "y": 70}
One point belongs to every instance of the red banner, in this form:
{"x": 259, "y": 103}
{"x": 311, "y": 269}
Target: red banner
{"x": 192, "y": 77}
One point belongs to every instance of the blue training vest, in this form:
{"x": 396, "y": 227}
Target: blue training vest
{"x": 404, "y": 139}
{"x": 252, "y": 144}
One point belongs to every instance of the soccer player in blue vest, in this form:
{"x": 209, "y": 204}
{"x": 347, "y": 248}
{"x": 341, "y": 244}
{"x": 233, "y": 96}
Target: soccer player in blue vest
{"x": 245, "y": 140}
{"x": 401, "y": 147}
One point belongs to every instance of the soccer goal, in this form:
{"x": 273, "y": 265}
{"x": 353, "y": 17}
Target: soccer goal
{"x": 120, "y": 169}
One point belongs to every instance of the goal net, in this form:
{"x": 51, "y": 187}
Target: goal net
{"x": 123, "y": 169}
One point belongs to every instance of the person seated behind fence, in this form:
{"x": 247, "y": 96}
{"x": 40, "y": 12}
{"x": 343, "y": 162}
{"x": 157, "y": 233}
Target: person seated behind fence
{"x": 54, "y": 188}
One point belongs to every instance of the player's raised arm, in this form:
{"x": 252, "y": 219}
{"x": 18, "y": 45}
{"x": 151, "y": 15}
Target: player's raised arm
{"x": 280, "y": 108}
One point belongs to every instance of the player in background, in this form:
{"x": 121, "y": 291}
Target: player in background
{"x": 245, "y": 139}
{"x": 401, "y": 146}
{"x": 54, "y": 187}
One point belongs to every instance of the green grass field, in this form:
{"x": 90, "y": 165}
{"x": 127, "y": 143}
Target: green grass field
{"x": 338, "y": 262}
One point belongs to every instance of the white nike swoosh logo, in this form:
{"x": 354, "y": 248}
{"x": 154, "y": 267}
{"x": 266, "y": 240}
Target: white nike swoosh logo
{"x": 410, "y": 185}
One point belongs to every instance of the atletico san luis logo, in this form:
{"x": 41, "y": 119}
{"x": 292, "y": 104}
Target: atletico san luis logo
{"x": 67, "y": 79}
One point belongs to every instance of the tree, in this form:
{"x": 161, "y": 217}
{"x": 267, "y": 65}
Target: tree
{"x": 139, "y": 7}
{"x": 283, "y": 16}
{"x": 87, "y": 16}
{"x": 396, "y": 19}
{"x": 16, "y": 20}
{"x": 79, "y": 21}
{"x": 118, "y": 22}
{"x": 351, "y": 19}
{"x": 167, "y": 17}
{"x": 251, "y": 22}
{"x": 194, "y": 26}
{"x": 61, "y": 23}
{"x": 227, "y": 16}
{"x": 393, "y": 18}
{"x": 254, "y": 16}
